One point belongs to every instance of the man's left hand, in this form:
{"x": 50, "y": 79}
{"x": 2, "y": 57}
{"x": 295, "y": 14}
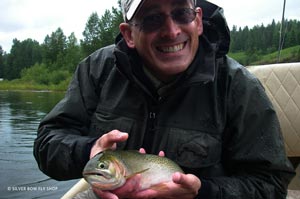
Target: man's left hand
{"x": 183, "y": 186}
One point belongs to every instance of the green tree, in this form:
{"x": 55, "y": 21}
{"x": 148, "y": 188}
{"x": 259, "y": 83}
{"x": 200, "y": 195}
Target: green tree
{"x": 54, "y": 48}
{"x": 1, "y": 62}
{"x": 100, "y": 32}
{"x": 233, "y": 43}
{"x": 292, "y": 33}
{"x": 270, "y": 44}
{"x": 38, "y": 73}
{"x": 106, "y": 29}
{"x": 41, "y": 74}
{"x": 117, "y": 19}
{"x": 91, "y": 34}
{"x": 264, "y": 39}
{"x": 22, "y": 55}
{"x": 73, "y": 53}
{"x": 109, "y": 26}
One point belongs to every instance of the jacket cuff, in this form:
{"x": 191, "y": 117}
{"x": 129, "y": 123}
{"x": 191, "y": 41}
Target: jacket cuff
{"x": 84, "y": 148}
{"x": 87, "y": 149}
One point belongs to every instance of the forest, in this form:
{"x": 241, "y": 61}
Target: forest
{"x": 52, "y": 63}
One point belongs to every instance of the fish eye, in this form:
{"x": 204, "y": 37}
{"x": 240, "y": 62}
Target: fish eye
{"x": 102, "y": 165}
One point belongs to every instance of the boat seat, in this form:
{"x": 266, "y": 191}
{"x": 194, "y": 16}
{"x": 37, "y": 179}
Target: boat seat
{"x": 282, "y": 85}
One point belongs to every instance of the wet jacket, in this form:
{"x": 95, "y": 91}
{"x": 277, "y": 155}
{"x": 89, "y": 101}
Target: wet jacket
{"x": 214, "y": 119}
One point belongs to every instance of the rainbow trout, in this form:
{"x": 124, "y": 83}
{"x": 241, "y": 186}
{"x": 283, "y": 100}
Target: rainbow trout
{"x": 109, "y": 169}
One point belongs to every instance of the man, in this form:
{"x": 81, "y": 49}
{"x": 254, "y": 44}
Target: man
{"x": 168, "y": 86}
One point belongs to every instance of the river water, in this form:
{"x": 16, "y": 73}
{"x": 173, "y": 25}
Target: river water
{"x": 20, "y": 177}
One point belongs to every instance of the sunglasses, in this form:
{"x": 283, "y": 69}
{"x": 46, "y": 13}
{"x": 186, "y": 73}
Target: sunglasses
{"x": 153, "y": 22}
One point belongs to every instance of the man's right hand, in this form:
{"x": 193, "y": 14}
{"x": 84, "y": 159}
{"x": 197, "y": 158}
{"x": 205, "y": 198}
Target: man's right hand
{"x": 108, "y": 141}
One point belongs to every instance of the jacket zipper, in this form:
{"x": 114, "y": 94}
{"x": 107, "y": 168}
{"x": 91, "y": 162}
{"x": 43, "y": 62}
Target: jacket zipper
{"x": 150, "y": 128}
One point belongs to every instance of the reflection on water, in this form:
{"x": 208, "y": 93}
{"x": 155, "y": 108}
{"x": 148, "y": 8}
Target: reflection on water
{"x": 20, "y": 114}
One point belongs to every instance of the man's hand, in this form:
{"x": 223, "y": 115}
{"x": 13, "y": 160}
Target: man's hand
{"x": 128, "y": 190}
{"x": 108, "y": 141}
{"x": 183, "y": 186}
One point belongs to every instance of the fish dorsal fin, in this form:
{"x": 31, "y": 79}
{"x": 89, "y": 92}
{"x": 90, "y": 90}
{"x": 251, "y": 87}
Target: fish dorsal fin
{"x": 133, "y": 174}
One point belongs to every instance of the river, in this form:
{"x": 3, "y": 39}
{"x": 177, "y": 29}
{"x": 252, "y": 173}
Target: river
{"x": 20, "y": 177}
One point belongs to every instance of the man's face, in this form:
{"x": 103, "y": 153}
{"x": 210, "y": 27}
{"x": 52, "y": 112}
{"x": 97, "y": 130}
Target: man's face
{"x": 169, "y": 49}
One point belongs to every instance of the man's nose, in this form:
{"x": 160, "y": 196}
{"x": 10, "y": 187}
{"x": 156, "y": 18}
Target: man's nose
{"x": 170, "y": 28}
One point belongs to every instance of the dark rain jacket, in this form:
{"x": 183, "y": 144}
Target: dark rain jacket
{"x": 214, "y": 120}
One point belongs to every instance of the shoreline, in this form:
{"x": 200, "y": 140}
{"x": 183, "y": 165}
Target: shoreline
{"x": 17, "y": 85}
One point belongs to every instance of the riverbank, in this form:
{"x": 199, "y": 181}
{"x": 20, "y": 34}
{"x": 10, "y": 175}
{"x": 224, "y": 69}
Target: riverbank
{"x": 21, "y": 85}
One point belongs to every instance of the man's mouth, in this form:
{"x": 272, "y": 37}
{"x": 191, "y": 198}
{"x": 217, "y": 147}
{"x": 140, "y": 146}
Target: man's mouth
{"x": 171, "y": 49}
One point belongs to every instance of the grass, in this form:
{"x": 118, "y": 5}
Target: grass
{"x": 21, "y": 85}
{"x": 291, "y": 54}
{"x": 287, "y": 55}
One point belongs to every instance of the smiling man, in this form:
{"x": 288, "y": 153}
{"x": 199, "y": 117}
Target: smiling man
{"x": 166, "y": 36}
{"x": 167, "y": 85}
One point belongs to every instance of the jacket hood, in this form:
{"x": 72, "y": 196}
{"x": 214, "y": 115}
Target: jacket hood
{"x": 215, "y": 28}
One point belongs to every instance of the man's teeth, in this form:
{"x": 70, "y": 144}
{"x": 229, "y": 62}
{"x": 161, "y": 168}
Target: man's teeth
{"x": 172, "y": 49}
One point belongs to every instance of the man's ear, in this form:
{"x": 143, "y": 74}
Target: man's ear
{"x": 126, "y": 31}
{"x": 199, "y": 21}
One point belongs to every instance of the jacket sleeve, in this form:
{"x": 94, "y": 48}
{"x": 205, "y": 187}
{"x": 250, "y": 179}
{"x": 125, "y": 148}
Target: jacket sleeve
{"x": 62, "y": 146}
{"x": 253, "y": 147}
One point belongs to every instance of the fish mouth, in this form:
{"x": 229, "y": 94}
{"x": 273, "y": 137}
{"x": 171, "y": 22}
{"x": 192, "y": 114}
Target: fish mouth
{"x": 102, "y": 180}
{"x": 96, "y": 174}
{"x": 172, "y": 48}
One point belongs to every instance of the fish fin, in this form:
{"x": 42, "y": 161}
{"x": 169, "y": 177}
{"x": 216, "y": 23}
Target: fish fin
{"x": 142, "y": 171}
{"x": 159, "y": 187}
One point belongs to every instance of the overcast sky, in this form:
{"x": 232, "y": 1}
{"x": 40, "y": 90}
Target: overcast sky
{"x": 35, "y": 19}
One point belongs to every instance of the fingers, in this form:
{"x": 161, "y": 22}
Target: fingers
{"x": 183, "y": 179}
{"x": 132, "y": 185}
{"x": 105, "y": 194}
{"x": 143, "y": 151}
{"x": 108, "y": 141}
{"x": 187, "y": 180}
{"x": 112, "y": 137}
{"x": 176, "y": 177}
{"x": 161, "y": 153}
{"x": 129, "y": 189}
{"x": 183, "y": 186}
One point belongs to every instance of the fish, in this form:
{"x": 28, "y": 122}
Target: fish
{"x": 110, "y": 169}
